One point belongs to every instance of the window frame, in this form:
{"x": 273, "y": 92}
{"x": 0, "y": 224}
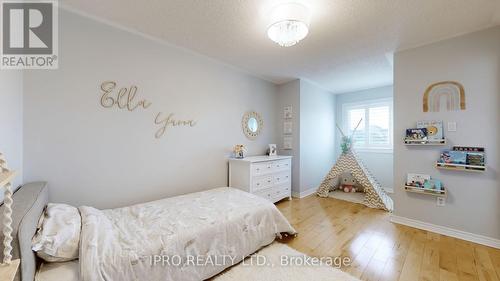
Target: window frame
{"x": 366, "y": 105}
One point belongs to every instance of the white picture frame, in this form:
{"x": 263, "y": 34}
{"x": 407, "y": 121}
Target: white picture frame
{"x": 273, "y": 150}
{"x": 287, "y": 142}
{"x": 288, "y": 112}
{"x": 287, "y": 127}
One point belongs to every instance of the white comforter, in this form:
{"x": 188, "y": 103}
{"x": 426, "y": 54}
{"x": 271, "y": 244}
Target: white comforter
{"x": 174, "y": 238}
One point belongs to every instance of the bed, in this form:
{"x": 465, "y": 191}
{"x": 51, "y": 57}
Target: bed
{"x": 132, "y": 243}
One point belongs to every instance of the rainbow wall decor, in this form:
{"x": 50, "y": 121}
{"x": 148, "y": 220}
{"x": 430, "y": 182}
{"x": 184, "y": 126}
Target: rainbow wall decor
{"x": 450, "y": 92}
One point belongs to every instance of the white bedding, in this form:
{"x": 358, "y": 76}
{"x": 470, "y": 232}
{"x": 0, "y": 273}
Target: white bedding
{"x": 217, "y": 228}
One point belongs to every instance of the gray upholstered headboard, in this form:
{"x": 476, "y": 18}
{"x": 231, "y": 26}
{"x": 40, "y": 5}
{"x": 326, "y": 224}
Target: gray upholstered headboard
{"x": 29, "y": 203}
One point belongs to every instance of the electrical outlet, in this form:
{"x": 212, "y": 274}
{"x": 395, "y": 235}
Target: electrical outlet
{"x": 441, "y": 202}
{"x": 452, "y": 126}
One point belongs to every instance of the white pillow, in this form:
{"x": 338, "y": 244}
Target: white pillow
{"x": 58, "y": 235}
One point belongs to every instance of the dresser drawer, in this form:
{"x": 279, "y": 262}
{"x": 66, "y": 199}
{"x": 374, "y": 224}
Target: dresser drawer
{"x": 262, "y": 182}
{"x": 280, "y": 192}
{"x": 281, "y": 178}
{"x": 271, "y": 167}
{"x": 275, "y": 193}
{"x": 266, "y": 193}
{"x": 281, "y": 165}
{"x": 262, "y": 168}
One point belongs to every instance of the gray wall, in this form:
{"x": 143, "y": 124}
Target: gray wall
{"x": 109, "y": 157}
{"x": 380, "y": 163}
{"x": 473, "y": 201}
{"x": 317, "y": 135}
{"x": 11, "y": 122}
{"x": 289, "y": 94}
{"x": 313, "y": 133}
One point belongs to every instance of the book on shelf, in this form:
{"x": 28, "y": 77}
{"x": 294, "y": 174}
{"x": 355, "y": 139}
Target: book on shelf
{"x": 424, "y": 183}
{"x": 416, "y": 180}
{"x": 434, "y": 129}
{"x": 416, "y": 134}
{"x": 461, "y": 155}
{"x": 475, "y": 158}
{"x": 469, "y": 148}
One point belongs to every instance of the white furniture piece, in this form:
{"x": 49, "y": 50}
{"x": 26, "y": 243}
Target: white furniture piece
{"x": 8, "y": 267}
{"x": 266, "y": 176}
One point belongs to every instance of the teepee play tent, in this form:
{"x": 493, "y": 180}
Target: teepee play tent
{"x": 375, "y": 196}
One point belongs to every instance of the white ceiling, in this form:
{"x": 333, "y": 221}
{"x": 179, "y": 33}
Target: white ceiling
{"x": 347, "y": 48}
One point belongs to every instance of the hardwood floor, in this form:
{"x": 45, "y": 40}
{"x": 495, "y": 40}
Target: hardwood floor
{"x": 381, "y": 250}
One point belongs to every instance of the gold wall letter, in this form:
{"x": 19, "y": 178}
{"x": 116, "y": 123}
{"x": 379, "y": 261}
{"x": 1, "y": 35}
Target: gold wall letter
{"x": 124, "y": 99}
{"x": 170, "y": 121}
{"x": 106, "y": 100}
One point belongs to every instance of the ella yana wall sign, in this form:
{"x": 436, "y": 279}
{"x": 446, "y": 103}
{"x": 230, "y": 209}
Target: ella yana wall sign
{"x": 126, "y": 99}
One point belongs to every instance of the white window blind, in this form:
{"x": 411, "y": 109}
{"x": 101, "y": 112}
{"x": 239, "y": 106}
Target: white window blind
{"x": 375, "y": 129}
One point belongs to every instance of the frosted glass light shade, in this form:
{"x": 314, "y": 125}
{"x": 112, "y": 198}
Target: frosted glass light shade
{"x": 289, "y": 23}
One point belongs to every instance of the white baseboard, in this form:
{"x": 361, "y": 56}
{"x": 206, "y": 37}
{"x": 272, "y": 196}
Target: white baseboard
{"x": 304, "y": 193}
{"x": 476, "y": 238}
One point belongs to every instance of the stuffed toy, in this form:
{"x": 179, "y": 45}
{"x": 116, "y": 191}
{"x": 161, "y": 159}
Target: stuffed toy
{"x": 348, "y": 183}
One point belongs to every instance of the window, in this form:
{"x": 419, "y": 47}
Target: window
{"x": 375, "y": 129}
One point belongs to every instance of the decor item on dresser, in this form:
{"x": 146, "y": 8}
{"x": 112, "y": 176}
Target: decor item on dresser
{"x": 239, "y": 151}
{"x": 452, "y": 91}
{"x": 272, "y": 151}
{"x": 8, "y": 267}
{"x": 263, "y": 176}
{"x": 252, "y": 124}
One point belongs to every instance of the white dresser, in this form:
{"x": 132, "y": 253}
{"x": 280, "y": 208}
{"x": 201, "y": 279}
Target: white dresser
{"x": 268, "y": 177}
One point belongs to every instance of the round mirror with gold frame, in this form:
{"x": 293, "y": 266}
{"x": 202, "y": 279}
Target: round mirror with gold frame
{"x": 252, "y": 124}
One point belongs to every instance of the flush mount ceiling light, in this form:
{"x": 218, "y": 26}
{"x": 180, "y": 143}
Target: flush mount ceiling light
{"x": 289, "y": 23}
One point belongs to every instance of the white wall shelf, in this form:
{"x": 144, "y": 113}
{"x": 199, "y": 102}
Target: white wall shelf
{"x": 460, "y": 167}
{"x": 441, "y": 193}
{"x": 424, "y": 142}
